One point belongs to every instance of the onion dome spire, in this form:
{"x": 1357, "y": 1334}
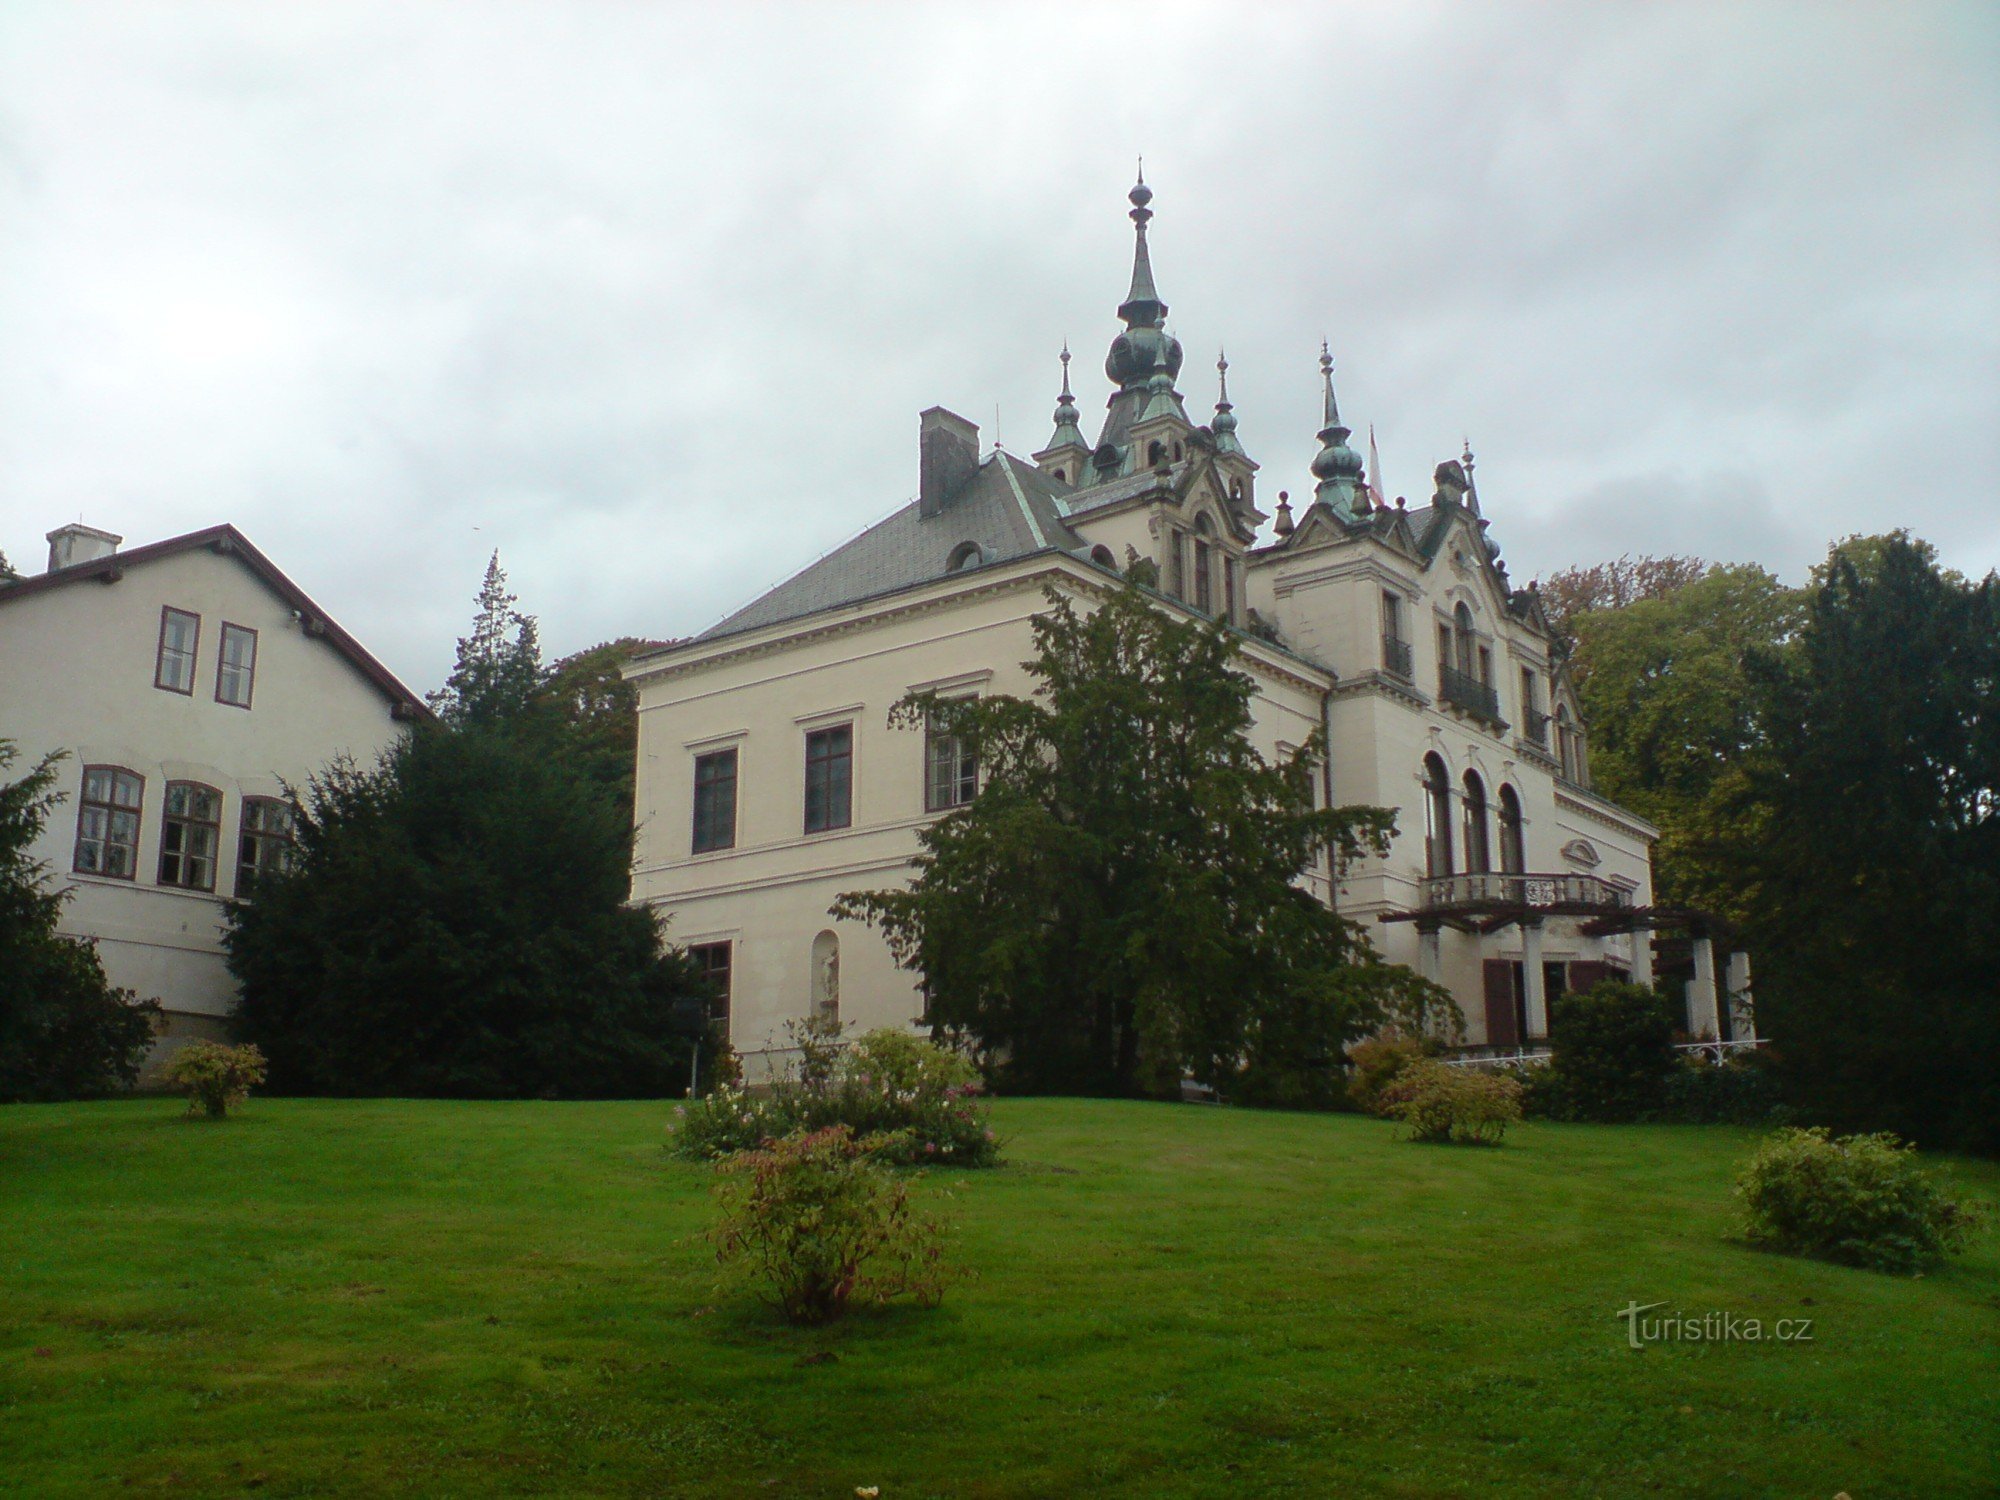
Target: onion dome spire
{"x": 1067, "y": 433}
{"x": 1145, "y": 343}
{"x": 1224, "y": 425}
{"x": 1337, "y": 467}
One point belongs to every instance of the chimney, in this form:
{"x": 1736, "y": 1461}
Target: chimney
{"x": 78, "y": 543}
{"x": 947, "y": 455}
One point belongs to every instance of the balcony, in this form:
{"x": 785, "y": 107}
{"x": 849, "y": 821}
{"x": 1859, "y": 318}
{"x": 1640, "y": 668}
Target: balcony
{"x": 1397, "y": 658}
{"x": 1464, "y": 691}
{"x": 1487, "y": 893}
{"x": 1538, "y": 729}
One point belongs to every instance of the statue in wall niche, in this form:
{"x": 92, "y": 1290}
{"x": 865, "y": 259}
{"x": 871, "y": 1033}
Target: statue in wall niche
{"x": 826, "y": 983}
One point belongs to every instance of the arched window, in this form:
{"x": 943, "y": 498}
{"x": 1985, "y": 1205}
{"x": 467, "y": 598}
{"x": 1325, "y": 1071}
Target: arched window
{"x": 1204, "y": 586}
{"x": 1177, "y": 452}
{"x": 1061, "y": 474}
{"x": 1462, "y": 623}
{"x": 964, "y": 555}
{"x": 1513, "y": 850}
{"x": 1155, "y": 452}
{"x": 1478, "y": 856}
{"x": 1437, "y": 817}
{"x": 1101, "y": 555}
{"x": 1566, "y": 742}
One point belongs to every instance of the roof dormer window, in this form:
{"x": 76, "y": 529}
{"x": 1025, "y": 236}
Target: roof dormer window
{"x": 965, "y": 555}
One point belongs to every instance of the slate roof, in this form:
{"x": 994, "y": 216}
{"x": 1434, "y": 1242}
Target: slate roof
{"x": 1009, "y": 508}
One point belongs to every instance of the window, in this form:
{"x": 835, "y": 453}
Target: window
{"x": 830, "y": 778}
{"x": 1437, "y": 817}
{"x": 1513, "y": 848}
{"x": 712, "y": 961}
{"x": 265, "y": 845}
{"x": 715, "y": 800}
{"x": 1204, "y": 585}
{"x": 1486, "y": 665}
{"x": 1444, "y": 646}
{"x": 1392, "y": 617}
{"x": 189, "y": 836}
{"x": 1462, "y": 619}
{"x": 1478, "y": 856}
{"x": 1178, "y": 542}
{"x": 1566, "y": 743}
{"x": 107, "y": 823}
{"x": 951, "y": 772}
{"x": 236, "y": 665}
{"x": 964, "y": 555}
{"x": 1101, "y": 555}
{"x": 180, "y": 634}
{"x": 1396, "y": 654}
{"x": 1229, "y": 587}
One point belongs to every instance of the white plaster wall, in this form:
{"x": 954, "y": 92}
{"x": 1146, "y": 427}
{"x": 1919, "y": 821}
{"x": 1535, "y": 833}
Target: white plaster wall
{"x": 76, "y": 674}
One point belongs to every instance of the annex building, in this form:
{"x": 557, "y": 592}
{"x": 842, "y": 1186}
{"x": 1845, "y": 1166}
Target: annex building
{"x": 769, "y": 781}
{"x": 188, "y": 684}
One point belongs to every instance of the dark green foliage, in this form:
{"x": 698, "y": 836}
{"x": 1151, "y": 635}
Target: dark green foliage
{"x": 1612, "y": 1052}
{"x": 1742, "y": 1091}
{"x": 1862, "y": 1200}
{"x": 65, "y": 1032}
{"x": 7, "y": 572}
{"x": 1120, "y": 904}
{"x": 499, "y": 669}
{"x": 1879, "y": 945}
{"x": 454, "y": 924}
{"x": 598, "y": 713}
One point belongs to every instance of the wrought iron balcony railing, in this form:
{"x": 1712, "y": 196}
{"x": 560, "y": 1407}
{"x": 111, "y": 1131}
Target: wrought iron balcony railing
{"x": 1538, "y": 728}
{"x": 1487, "y": 889}
{"x": 1397, "y": 658}
{"x": 1467, "y": 692}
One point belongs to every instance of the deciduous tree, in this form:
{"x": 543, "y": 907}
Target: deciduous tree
{"x": 1122, "y": 903}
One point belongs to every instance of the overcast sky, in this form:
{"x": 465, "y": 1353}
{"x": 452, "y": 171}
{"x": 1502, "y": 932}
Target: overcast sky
{"x": 649, "y": 296}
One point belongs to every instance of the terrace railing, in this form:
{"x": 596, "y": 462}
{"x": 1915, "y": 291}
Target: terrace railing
{"x": 1461, "y": 690}
{"x": 1398, "y": 659}
{"x": 1573, "y": 893}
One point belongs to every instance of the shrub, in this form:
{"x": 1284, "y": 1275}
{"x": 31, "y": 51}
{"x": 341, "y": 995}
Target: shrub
{"x": 905, "y": 1099}
{"x": 65, "y": 1031}
{"x": 217, "y": 1078}
{"x": 1741, "y": 1091}
{"x": 1374, "y": 1063}
{"x": 1861, "y": 1200}
{"x": 1466, "y": 1106}
{"x": 814, "y": 1222}
{"x": 1612, "y": 1052}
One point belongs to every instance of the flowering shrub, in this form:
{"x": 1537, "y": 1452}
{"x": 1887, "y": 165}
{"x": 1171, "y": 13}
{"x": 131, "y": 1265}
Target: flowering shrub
{"x": 1862, "y": 1200}
{"x": 905, "y": 1100}
{"x": 216, "y": 1078}
{"x": 1373, "y": 1065}
{"x": 814, "y": 1221}
{"x": 1461, "y": 1105}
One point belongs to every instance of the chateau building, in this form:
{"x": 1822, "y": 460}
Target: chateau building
{"x": 769, "y": 780}
{"x": 188, "y": 683}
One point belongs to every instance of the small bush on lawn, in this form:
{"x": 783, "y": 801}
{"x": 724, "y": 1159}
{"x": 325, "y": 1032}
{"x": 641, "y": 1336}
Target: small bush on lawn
{"x": 1741, "y": 1091}
{"x": 1612, "y": 1053}
{"x": 813, "y": 1221}
{"x": 1861, "y": 1200}
{"x": 216, "y": 1078}
{"x": 906, "y": 1099}
{"x": 1465, "y": 1106}
{"x": 1373, "y": 1065}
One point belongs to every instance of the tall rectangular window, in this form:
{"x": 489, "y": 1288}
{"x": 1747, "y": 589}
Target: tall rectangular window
{"x": 265, "y": 844}
{"x": 188, "y": 837}
{"x": 1392, "y": 616}
{"x": 107, "y": 823}
{"x": 1229, "y": 574}
{"x": 715, "y": 800}
{"x": 180, "y": 635}
{"x": 830, "y": 778}
{"x": 236, "y": 665}
{"x": 951, "y": 772}
{"x": 713, "y": 962}
{"x": 1204, "y": 587}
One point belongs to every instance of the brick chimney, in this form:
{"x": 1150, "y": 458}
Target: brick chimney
{"x": 78, "y": 543}
{"x": 947, "y": 455}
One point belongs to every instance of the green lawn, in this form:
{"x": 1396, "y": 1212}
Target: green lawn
{"x": 388, "y": 1298}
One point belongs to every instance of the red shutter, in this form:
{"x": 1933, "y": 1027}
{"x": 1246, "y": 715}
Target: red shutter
{"x": 1500, "y": 1028}
{"x": 1583, "y": 973}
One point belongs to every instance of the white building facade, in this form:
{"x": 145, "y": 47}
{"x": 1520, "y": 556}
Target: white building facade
{"x": 769, "y": 779}
{"x": 187, "y": 683}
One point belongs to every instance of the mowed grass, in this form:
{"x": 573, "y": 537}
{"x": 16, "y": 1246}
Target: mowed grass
{"x": 446, "y": 1299}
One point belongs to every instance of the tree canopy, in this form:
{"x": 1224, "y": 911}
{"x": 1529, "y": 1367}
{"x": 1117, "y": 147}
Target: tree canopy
{"x": 1122, "y": 903}
{"x": 1879, "y": 847}
{"x": 454, "y": 920}
{"x": 65, "y": 1031}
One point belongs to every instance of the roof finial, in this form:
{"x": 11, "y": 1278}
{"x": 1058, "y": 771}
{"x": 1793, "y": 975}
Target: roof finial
{"x": 1337, "y": 466}
{"x": 1224, "y": 425}
{"x": 1142, "y": 305}
{"x": 1065, "y": 364}
{"x": 1471, "y": 489}
{"x": 1067, "y": 433}
{"x": 1331, "y": 413}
